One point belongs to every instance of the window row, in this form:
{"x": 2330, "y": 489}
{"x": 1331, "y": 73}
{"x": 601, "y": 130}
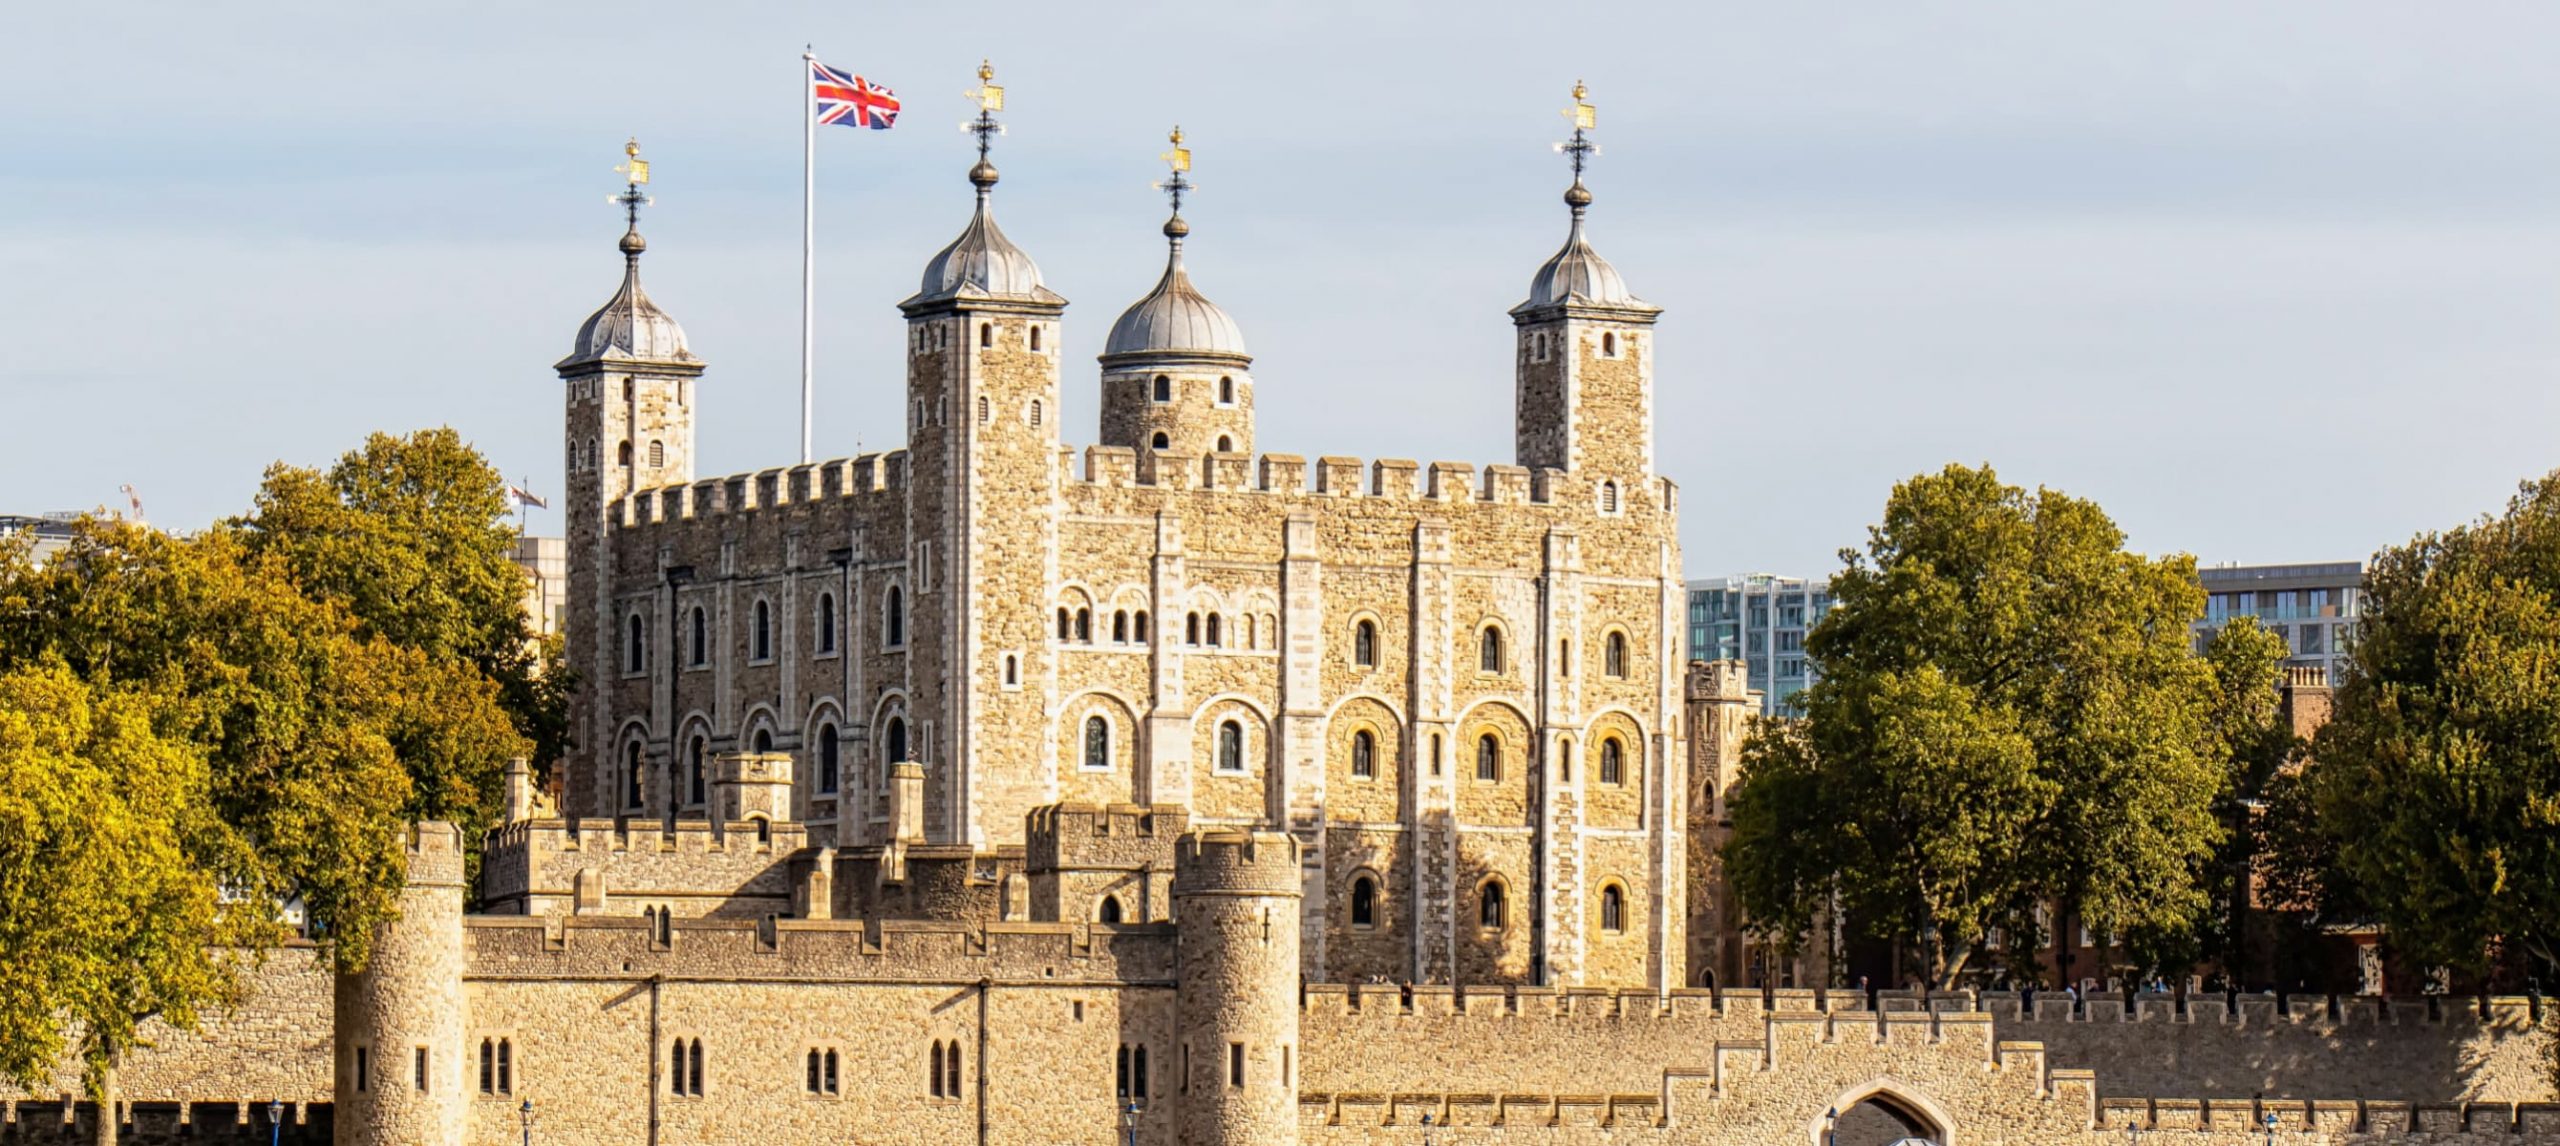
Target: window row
{"x": 1489, "y": 760}
{"x": 1489, "y": 651}
{"x": 691, "y": 777}
{"x": 1161, "y": 390}
{"x": 760, "y": 632}
{"x": 1097, "y": 746}
{"x": 1126, "y": 627}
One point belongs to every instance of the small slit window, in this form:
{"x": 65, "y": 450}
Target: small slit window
{"x": 657, "y": 454}
{"x": 1488, "y": 757}
{"x": 1035, "y": 337}
{"x": 1226, "y": 391}
{"x": 830, "y": 760}
{"x": 1364, "y": 644}
{"x": 1608, "y": 345}
{"x": 1163, "y": 391}
{"x": 1608, "y": 497}
{"x": 701, "y": 642}
{"x": 1489, "y": 906}
{"x": 986, "y": 334}
{"x": 826, "y": 622}
{"x": 1613, "y": 909}
{"x": 1364, "y": 754}
{"x": 1097, "y": 744}
{"x": 1489, "y": 650}
{"x": 1364, "y": 902}
{"x": 1613, "y": 762}
{"x": 1613, "y": 658}
{"x": 764, "y": 632}
{"x": 1035, "y": 411}
{"x": 1230, "y": 747}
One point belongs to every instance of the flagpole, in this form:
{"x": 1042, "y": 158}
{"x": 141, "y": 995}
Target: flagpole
{"x": 808, "y": 250}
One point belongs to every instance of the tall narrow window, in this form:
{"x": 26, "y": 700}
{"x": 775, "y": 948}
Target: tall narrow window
{"x": 1489, "y": 650}
{"x": 1035, "y": 336}
{"x": 1012, "y": 670}
{"x": 1227, "y": 390}
{"x": 1191, "y": 628}
{"x": 1364, "y": 902}
{"x": 1123, "y": 1065}
{"x": 1364, "y": 754}
{"x": 1613, "y": 762}
{"x": 937, "y": 1069}
{"x": 894, "y": 619}
{"x": 1564, "y": 658}
{"x": 764, "y": 740}
{"x": 1608, "y": 497}
{"x": 986, "y": 412}
{"x": 1613, "y": 909}
{"x": 1035, "y": 411}
{"x": 826, "y": 622}
{"x": 951, "y": 1066}
{"x": 506, "y": 1067}
{"x": 657, "y": 454}
{"x": 631, "y": 775}
{"x": 1235, "y": 1064}
{"x": 1364, "y": 644}
{"x": 488, "y": 1066}
{"x": 1564, "y": 761}
{"x": 1213, "y": 630}
{"x": 832, "y": 1077}
{"x": 830, "y": 763}
{"x": 1435, "y": 753}
{"x": 1120, "y": 626}
{"x": 764, "y": 632}
{"x": 693, "y": 770}
{"x": 1614, "y": 660}
{"x": 638, "y": 658}
{"x": 622, "y": 453}
{"x": 815, "y": 1065}
{"x": 1138, "y": 627}
{"x": 422, "y": 1071}
{"x": 1084, "y": 625}
{"x": 1110, "y": 912}
{"x": 364, "y": 1068}
{"x": 1164, "y": 388}
{"x": 1488, "y": 757}
{"x": 986, "y": 334}
{"x": 1230, "y": 746}
{"x": 1608, "y": 345}
{"x": 1066, "y": 623}
{"x": 694, "y": 1079}
{"x": 894, "y": 741}
{"x": 1097, "y": 743}
{"x": 701, "y": 654}
{"x": 1489, "y": 905}
{"x": 1138, "y": 1072}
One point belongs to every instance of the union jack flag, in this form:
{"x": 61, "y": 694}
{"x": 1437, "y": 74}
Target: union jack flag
{"x": 850, "y": 99}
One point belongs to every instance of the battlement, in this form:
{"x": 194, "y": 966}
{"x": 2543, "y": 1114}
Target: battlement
{"x": 1718, "y": 680}
{"x": 2260, "y": 1010}
{"x": 434, "y": 852}
{"x": 771, "y": 948}
{"x": 2535, "y": 1120}
{"x": 187, "y": 1120}
{"x": 541, "y": 866}
{"x": 812, "y": 483}
{"x": 1236, "y": 863}
{"x": 1385, "y": 479}
{"x": 1123, "y": 836}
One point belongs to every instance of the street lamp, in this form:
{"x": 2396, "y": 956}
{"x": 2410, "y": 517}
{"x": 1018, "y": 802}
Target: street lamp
{"x": 2271, "y": 1128}
{"x": 1831, "y": 1127}
{"x": 1426, "y": 1130}
{"x": 275, "y": 1121}
{"x": 1128, "y": 1123}
{"x": 525, "y": 1112}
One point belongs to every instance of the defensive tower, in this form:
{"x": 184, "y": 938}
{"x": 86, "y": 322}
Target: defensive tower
{"x": 1585, "y": 350}
{"x": 1175, "y": 375}
{"x": 399, "y": 1022}
{"x": 1235, "y": 897}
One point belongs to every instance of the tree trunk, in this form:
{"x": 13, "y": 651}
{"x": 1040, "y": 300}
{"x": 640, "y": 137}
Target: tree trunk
{"x": 110, "y": 1121}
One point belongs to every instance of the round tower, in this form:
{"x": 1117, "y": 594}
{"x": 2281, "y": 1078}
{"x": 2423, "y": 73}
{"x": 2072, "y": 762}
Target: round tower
{"x": 1175, "y": 375}
{"x": 1235, "y": 902}
{"x": 399, "y": 1022}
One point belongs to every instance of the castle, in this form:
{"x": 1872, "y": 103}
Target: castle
{"x": 1171, "y": 796}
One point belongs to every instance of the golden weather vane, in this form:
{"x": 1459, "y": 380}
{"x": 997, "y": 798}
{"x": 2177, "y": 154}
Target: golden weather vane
{"x": 1179, "y": 160}
{"x": 635, "y": 175}
{"x": 634, "y": 168}
{"x": 1580, "y": 148}
{"x": 989, "y": 95}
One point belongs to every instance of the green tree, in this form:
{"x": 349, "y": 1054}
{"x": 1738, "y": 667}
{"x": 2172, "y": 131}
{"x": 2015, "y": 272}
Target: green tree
{"x": 410, "y": 535}
{"x": 2436, "y": 784}
{"x": 111, "y": 862}
{"x": 2250, "y": 738}
{"x": 2007, "y": 640}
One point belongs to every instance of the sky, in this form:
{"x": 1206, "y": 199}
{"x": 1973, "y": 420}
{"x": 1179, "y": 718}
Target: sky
{"x": 2271, "y": 282}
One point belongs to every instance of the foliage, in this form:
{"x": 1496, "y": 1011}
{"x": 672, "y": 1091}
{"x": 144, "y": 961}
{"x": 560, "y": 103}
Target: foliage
{"x": 410, "y": 535}
{"x": 2250, "y": 738}
{"x": 1997, "y": 655}
{"x": 2436, "y": 784}
{"x": 106, "y": 837}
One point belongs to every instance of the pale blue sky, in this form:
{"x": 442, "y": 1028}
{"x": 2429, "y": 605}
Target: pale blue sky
{"x": 2270, "y": 281}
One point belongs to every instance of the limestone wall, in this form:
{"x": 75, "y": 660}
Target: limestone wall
{"x": 275, "y": 1044}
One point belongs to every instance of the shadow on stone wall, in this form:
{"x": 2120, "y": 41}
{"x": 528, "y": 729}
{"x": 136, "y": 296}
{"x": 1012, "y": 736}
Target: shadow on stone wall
{"x": 170, "y": 1123}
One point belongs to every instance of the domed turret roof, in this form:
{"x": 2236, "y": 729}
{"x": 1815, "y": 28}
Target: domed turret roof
{"x": 1175, "y": 319}
{"x": 981, "y": 263}
{"x": 630, "y": 326}
{"x": 1576, "y": 275}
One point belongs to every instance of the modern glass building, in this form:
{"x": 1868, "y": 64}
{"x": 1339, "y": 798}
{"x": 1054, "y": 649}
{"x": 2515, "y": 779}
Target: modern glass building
{"x": 2313, "y": 607}
{"x": 1759, "y": 619}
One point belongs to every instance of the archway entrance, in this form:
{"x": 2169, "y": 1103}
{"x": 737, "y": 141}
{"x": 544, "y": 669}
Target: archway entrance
{"x": 1883, "y": 1119}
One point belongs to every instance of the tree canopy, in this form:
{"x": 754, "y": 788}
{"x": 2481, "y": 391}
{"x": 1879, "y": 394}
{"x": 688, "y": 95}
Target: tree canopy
{"x": 2008, "y": 714}
{"x": 2435, "y": 787}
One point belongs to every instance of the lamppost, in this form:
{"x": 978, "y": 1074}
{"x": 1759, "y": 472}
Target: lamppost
{"x": 1426, "y": 1130}
{"x": 1831, "y": 1127}
{"x": 275, "y": 1121}
{"x": 1128, "y": 1124}
{"x": 525, "y": 1112}
{"x": 2271, "y": 1128}
{"x": 2133, "y": 1134}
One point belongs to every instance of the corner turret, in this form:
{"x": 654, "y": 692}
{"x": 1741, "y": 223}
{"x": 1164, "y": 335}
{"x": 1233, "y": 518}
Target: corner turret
{"x": 1584, "y": 352}
{"x": 1175, "y": 375}
{"x": 1235, "y": 901}
{"x": 399, "y": 1022}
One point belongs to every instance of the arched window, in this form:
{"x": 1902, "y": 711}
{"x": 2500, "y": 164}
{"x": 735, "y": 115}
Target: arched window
{"x": 1012, "y": 670}
{"x": 1162, "y": 442}
{"x": 1110, "y": 912}
{"x": 1250, "y": 637}
{"x": 894, "y": 739}
{"x": 894, "y": 619}
{"x": 1227, "y": 391}
{"x": 1613, "y": 909}
{"x": 826, "y": 622}
{"x": 626, "y": 390}
{"x": 657, "y": 453}
{"x": 1489, "y": 650}
{"x": 1138, "y": 629}
{"x": 631, "y": 775}
{"x": 638, "y": 654}
{"x": 1364, "y": 644}
{"x": 1364, "y": 753}
{"x": 701, "y": 639}
{"x": 1035, "y": 411}
{"x": 1120, "y": 626}
{"x": 622, "y": 453}
{"x": 1066, "y": 622}
{"x": 1213, "y": 630}
{"x": 1488, "y": 757}
{"x": 1614, "y": 659}
{"x": 1613, "y": 761}
{"x": 1226, "y": 445}
{"x": 764, "y": 740}
{"x": 1230, "y": 747}
{"x": 1608, "y": 345}
{"x": 1084, "y": 625}
{"x": 986, "y": 334}
{"x": 829, "y": 759}
{"x": 1191, "y": 628}
{"x": 1364, "y": 902}
{"x": 693, "y": 769}
{"x": 764, "y": 632}
{"x": 1164, "y": 390}
{"x": 1489, "y": 906}
{"x": 1608, "y": 497}
{"x": 1097, "y": 743}
{"x": 1035, "y": 336}
{"x": 936, "y": 1056}
{"x": 986, "y": 412}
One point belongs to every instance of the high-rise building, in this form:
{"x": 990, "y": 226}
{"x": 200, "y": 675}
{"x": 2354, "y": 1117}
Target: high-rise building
{"x": 2313, "y": 607}
{"x": 47, "y": 532}
{"x": 545, "y": 561}
{"x": 1759, "y": 619}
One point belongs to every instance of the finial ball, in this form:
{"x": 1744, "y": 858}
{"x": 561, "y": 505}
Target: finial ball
{"x": 632, "y": 243}
{"x": 1175, "y": 228}
{"x": 986, "y": 71}
{"x": 1577, "y": 196}
{"x": 983, "y": 175}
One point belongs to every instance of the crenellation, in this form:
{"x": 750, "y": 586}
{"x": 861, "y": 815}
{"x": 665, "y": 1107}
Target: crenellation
{"x": 1506, "y": 485}
{"x": 1282, "y": 474}
{"x": 1338, "y": 476}
{"x": 1450, "y": 481}
{"x": 1393, "y": 478}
